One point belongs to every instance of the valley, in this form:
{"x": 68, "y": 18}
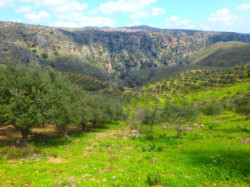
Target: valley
{"x": 129, "y": 106}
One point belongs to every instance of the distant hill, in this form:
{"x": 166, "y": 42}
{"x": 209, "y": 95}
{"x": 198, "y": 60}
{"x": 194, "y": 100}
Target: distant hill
{"x": 222, "y": 54}
{"x": 108, "y": 54}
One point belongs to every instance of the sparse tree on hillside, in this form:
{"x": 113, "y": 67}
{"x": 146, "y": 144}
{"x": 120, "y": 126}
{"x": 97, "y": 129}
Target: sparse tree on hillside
{"x": 241, "y": 104}
{"x": 178, "y": 113}
{"x": 212, "y": 109}
{"x": 150, "y": 117}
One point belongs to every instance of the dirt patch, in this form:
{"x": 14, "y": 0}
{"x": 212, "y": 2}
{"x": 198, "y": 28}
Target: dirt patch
{"x": 188, "y": 129}
{"x": 245, "y": 140}
{"x": 56, "y": 160}
{"x": 129, "y": 148}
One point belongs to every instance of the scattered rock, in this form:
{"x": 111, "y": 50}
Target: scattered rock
{"x": 134, "y": 135}
{"x": 135, "y": 132}
{"x": 153, "y": 160}
{"x": 163, "y": 127}
{"x": 189, "y": 129}
{"x": 245, "y": 140}
{"x": 195, "y": 124}
{"x": 200, "y": 126}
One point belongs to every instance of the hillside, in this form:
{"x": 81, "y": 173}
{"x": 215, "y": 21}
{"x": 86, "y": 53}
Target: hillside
{"x": 197, "y": 84}
{"x": 108, "y": 54}
{"x": 214, "y": 151}
{"x": 222, "y": 54}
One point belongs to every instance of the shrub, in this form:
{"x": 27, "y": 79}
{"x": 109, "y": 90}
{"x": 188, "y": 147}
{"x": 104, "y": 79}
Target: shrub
{"x": 178, "y": 113}
{"x": 45, "y": 55}
{"x": 211, "y": 109}
{"x": 153, "y": 179}
{"x": 241, "y": 104}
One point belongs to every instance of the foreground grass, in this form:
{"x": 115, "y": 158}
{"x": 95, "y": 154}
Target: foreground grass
{"x": 109, "y": 157}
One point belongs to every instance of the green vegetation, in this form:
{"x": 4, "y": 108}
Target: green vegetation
{"x": 179, "y": 113}
{"x": 143, "y": 152}
{"x": 45, "y": 55}
{"x": 224, "y": 54}
{"x": 87, "y": 82}
{"x": 33, "y": 97}
{"x": 127, "y": 56}
{"x": 87, "y": 123}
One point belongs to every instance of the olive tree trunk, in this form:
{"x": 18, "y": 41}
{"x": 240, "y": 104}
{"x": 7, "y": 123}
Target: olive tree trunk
{"x": 178, "y": 128}
{"x": 25, "y": 136}
{"x": 84, "y": 126}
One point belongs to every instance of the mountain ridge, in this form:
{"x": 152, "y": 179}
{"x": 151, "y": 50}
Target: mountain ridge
{"x": 106, "y": 53}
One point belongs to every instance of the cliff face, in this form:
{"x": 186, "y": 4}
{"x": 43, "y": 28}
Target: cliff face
{"x": 103, "y": 52}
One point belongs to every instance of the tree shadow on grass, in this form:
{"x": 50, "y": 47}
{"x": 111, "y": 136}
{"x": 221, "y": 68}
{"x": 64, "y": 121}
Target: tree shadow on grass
{"x": 221, "y": 164}
{"x": 47, "y": 136}
{"x": 239, "y": 129}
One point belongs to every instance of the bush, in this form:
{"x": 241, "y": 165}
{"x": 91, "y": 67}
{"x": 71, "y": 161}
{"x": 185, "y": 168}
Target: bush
{"x": 45, "y": 55}
{"x": 153, "y": 179}
{"x": 241, "y": 104}
{"x": 211, "y": 109}
{"x": 152, "y": 148}
{"x": 178, "y": 113}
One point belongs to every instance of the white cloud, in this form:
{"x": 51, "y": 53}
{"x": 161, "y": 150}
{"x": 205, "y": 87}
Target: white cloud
{"x": 158, "y": 11}
{"x": 136, "y": 8}
{"x": 174, "y": 18}
{"x": 68, "y": 13}
{"x": 139, "y": 14}
{"x": 5, "y": 3}
{"x": 24, "y": 9}
{"x": 243, "y": 7}
{"x": 87, "y": 21}
{"x": 61, "y": 9}
{"x": 176, "y": 22}
{"x": 42, "y": 16}
{"x": 222, "y": 16}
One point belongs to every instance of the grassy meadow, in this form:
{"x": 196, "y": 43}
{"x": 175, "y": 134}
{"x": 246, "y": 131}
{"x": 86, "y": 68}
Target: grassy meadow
{"x": 113, "y": 154}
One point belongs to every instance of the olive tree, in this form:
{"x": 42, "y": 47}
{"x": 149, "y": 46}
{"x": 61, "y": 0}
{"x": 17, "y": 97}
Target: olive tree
{"x": 241, "y": 104}
{"x": 178, "y": 113}
{"x": 64, "y": 109}
{"x": 150, "y": 117}
{"x": 24, "y": 97}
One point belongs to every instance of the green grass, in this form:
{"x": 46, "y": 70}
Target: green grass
{"x": 107, "y": 157}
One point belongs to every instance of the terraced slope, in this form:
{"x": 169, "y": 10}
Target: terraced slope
{"x": 222, "y": 54}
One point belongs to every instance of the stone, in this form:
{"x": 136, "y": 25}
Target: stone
{"x": 135, "y": 132}
{"x": 245, "y": 140}
{"x": 153, "y": 160}
{"x": 163, "y": 127}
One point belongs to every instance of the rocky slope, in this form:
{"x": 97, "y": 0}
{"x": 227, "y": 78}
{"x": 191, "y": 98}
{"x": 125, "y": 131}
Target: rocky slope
{"x": 105, "y": 53}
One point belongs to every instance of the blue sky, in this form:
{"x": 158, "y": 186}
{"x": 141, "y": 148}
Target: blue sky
{"x": 211, "y": 15}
